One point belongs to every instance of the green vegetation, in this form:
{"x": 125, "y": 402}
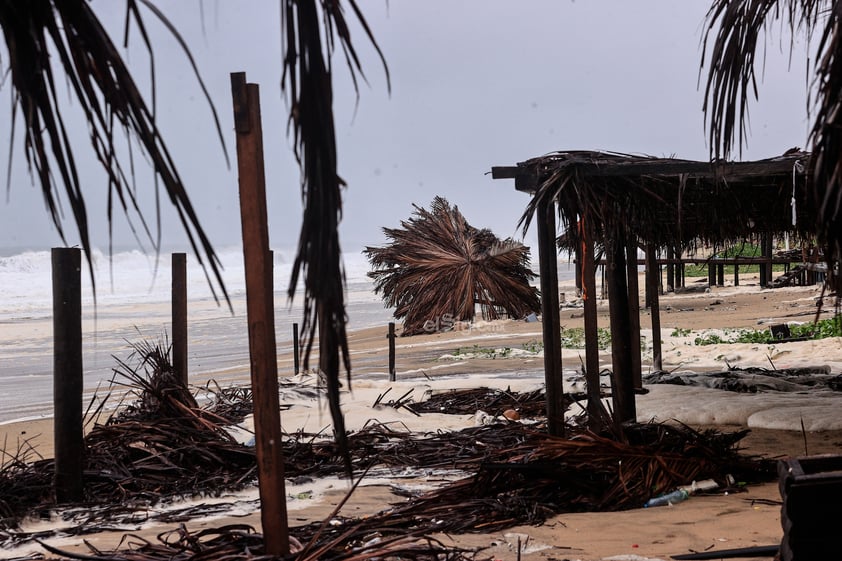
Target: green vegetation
{"x": 574, "y": 338}
{"x": 483, "y": 352}
{"x": 831, "y": 327}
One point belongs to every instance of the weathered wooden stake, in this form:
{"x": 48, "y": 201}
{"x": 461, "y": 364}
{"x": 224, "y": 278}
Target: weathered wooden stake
{"x": 179, "y": 316}
{"x": 550, "y": 324}
{"x": 653, "y": 278}
{"x": 67, "y": 373}
{"x": 618, "y": 305}
{"x": 634, "y": 312}
{"x": 391, "y": 337}
{"x": 260, "y": 309}
{"x": 296, "y": 353}
{"x": 591, "y": 331}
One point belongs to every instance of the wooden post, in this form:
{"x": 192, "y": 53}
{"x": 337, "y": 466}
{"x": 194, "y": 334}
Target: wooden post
{"x": 736, "y": 275}
{"x": 391, "y": 337}
{"x": 679, "y": 269}
{"x": 577, "y": 269}
{"x": 591, "y": 328}
{"x": 766, "y": 266}
{"x": 634, "y": 313}
{"x": 618, "y": 305}
{"x": 296, "y": 353}
{"x": 711, "y": 274}
{"x": 720, "y": 274}
{"x": 260, "y": 309}
{"x": 179, "y": 316}
{"x": 653, "y": 277}
{"x": 670, "y": 269}
{"x": 551, "y": 326}
{"x": 67, "y": 373}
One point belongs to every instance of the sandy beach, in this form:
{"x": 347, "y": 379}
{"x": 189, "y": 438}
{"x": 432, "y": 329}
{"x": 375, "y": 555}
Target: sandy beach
{"x": 502, "y": 354}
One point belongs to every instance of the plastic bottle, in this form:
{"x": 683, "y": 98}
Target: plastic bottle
{"x": 668, "y": 499}
{"x": 705, "y": 485}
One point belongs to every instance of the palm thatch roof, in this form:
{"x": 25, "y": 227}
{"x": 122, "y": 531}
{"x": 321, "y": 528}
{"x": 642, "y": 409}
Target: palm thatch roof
{"x": 736, "y": 31}
{"x": 668, "y": 201}
{"x": 437, "y": 267}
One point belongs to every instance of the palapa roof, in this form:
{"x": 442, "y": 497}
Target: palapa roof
{"x": 669, "y": 201}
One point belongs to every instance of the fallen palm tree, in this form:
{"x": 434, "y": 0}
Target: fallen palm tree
{"x": 437, "y": 268}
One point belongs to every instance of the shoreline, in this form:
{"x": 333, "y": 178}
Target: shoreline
{"x": 469, "y": 358}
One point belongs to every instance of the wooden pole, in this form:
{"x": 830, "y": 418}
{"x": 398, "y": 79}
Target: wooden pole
{"x": 736, "y": 275}
{"x": 391, "y": 337}
{"x": 720, "y": 274}
{"x": 551, "y": 326}
{"x": 670, "y": 269}
{"x": 296, "y": 353}
{"x": 69, "y": 443}
{"x": 260, "y": 309}
{"x": 179, "y": 316}
{"x": 618, "y": 305}
{"x": 591, "y": 328}
{"x": 653, "y": 278}
{"x": 634, "y": 312}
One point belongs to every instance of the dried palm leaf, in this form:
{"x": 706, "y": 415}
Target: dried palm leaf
{"x": 437, "y": 267}
{"x": 310, "y": 30}
{"x": 46, "y": 36}
{"x": 735, "y": 30}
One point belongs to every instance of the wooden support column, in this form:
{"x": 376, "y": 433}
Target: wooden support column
{"x": 577, "y": 270}
{"x": 179, "y": 317}
{"x": 766, "y": 265}
{"x": 618, "y": 304}
{"x": 260, "y": 309}
{"x": 711, "y": 274}
{"x": 670, "y": 270}
{"x": 391, "y": 337}
{"x": 551, "y": 326}
{"x": 736, "y": 275}
{"x": 634, "y": 312}
{"x": 720, "y": 274}
{"x": 68, "y": 440}
{"x": 591, "y": 329}
{"x": 653, "y": 278}
{"x": 296, "y": 353}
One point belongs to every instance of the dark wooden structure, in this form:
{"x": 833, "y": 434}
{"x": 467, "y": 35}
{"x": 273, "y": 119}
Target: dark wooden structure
{"x": 623, "y": 202}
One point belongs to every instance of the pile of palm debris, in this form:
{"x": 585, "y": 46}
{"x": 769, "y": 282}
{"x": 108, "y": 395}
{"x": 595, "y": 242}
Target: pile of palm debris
{"x": 164, "y": 446}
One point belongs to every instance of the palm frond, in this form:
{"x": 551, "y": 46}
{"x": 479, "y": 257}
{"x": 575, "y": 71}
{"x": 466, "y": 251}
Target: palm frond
{"x": 736, "y": 31}
{"x": 36, "y": 34}
{"x": 310, "y": 29}
{"x": 437, "y": 267}
{"x": 731, "y": 82}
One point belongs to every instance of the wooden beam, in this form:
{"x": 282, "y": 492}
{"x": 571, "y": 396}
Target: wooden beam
{"x": 551, "y": 325}
{"x": 634, "y": 312}
{"x": 618, "y": 305}
{"x": 179, "y": 316}
{"x": 653, "y": 279}
{"x": 69, "y": 443}
{"x": 261, "y": 320}
{"x": 591, "y": 327}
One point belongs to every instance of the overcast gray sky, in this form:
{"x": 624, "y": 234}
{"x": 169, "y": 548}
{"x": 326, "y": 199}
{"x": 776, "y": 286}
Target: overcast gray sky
{"x": 475, "y": 83}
